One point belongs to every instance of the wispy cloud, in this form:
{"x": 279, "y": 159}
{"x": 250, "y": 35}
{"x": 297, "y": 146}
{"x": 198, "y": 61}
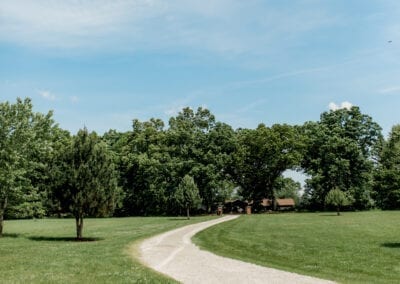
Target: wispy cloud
{"x": 46, "y": 95}
{"x": 390, "y": 90}
{"x": 74, "y": 99}
{"x": 155, "y": 24}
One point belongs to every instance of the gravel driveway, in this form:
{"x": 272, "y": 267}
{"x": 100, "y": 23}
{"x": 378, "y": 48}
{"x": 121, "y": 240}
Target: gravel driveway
{"x": 173, "y": 254}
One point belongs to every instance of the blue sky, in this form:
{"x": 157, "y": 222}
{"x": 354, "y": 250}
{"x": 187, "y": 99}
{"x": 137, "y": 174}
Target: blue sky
{"x": 102, "y": 63}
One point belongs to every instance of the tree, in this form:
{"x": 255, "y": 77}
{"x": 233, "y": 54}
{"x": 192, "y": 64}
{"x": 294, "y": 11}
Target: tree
{"x": 85, "y": 178}
{"x": 146, "y": 169}
{"x": 288, "y": 188}
{"x": 187, "y": 194}
{"x": 387, "y": 176}
{"x": 201, "y": 147}
{"x": 337, "y": 198}
{"x": 342, "y": 150}
{"x": 23, "y": 138}
{"x": 262, "y": 155}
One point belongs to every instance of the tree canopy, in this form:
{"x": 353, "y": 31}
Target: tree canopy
{"x": 387, "y": 176}
{"x": 262, "y": 155}
{"x": 24, "y": 143}
{"x": 341, "y": 152}
{"x": 46, "y": 171}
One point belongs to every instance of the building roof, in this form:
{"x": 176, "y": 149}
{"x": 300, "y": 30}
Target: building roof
{"x": 285, "y": 202}
{"x": 280, "y": 202}
{"x": 266, "y": 202}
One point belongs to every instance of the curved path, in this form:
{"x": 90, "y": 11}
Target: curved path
{"x": 173, "y": 254}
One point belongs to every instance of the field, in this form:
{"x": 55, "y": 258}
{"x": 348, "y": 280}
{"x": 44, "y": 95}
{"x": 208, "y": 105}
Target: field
{"x": 362, "y": 247}
{"x": 44, "y": 251}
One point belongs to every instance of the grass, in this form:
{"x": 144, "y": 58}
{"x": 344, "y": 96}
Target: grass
{"x": 45, "y": 251}
{"x": 362, "y": 247}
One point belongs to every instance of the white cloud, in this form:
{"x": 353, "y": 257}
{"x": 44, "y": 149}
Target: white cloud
{"x": 344, "y": 105}
{"x": 46, "y": 95}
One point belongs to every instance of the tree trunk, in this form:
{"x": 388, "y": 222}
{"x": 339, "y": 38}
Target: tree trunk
{"x": 338, "y": 210}
{"x": 3, "y": 205}
{"x": 79, "y": 227}
{"x": 187, "y": 212}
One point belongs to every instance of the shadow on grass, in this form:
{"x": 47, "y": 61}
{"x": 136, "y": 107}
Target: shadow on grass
{"x": 329, "y": 215}
{"x": 6, "y": 235}
{"x": 63, "y": 239}
{"x": 178, "y": 219}
{"x": 391, "y": 245}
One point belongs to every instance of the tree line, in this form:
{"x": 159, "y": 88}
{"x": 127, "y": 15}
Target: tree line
{"x": 194, "y": 162}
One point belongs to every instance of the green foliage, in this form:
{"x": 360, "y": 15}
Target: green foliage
{"x": 341, "y": 150}
{"x": 338, "y": 199}
{"x": 85, "y": 178}
{"x": 360, "y": 247}
{"x": 387, "y": 176}
{"x": 145, "y": 168}
{"x": 287, "y": 188}
{"x": 187, "y": 194}
{"x": 262, "y": 155}
{"x": 152, "y": 161}
{"x": 39, "y": 166}
{"x": 202, "y": 148}
{"x": 24, "y": 144}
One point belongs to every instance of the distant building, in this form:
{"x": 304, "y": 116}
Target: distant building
{"x": 280, "y": 204}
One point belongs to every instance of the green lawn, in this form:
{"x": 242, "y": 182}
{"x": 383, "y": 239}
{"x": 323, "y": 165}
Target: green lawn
{"x": 359, "y": 247}
{"x": 44, "y": 251}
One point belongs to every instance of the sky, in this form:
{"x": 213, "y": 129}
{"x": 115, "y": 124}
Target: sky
{"x": 101, "y": 64}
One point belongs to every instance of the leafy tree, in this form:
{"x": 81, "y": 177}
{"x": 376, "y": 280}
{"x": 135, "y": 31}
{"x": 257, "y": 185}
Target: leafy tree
{"x": 201, "y": 147}
{"x": 387, "y": 176}
{"x": 23, "y": 139}
{"x": 85, "y": 179}
{"x": 146, "y": 169}
{"x": 287, "y": 188}
{"x": 262, "y": 155}
{"x": 337, "y": 198}
{"x": 187, "y": 194}
{"x": 341, "y": 152}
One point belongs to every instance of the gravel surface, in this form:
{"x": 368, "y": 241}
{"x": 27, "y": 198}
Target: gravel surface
{"x": 173, "y": 254}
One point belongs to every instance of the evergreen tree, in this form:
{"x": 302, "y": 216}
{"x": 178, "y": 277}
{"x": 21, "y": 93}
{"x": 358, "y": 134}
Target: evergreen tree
{"x": 85, "y": 179}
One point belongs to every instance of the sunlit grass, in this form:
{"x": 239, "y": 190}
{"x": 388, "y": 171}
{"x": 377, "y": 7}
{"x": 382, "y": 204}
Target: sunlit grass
{"x": 44, "y": 251}
{"x": 359, "y": 247}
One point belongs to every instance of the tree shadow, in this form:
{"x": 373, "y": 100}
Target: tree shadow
{"x": 391, "y": 245}
{"x": 329, "y": 215}
{"x": 7, "y": 235}
{"x": 63, "y": 239}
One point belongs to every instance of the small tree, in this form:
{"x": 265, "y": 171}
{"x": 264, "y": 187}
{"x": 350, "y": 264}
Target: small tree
{"x": 187, "y": 194}
{"x": 337, "y": 198}
{"x": 86, "y": 179}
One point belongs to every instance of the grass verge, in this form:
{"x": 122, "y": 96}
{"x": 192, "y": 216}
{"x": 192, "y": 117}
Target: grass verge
{"x": 45, "y": 251}
{"x": 361, "y": 247}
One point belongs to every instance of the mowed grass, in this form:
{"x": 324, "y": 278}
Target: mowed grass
{"x": 44, "y": 251}
{"x": 362, "y": 247}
